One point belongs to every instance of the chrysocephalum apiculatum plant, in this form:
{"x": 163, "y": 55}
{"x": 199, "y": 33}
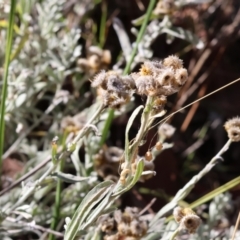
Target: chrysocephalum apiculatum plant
{"x": 156, "y": 81}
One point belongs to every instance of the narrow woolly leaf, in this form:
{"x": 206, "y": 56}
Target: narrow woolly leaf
{"x": 99, "y": 210}
{"x": 129, "y": 124}
{"x": 69, "y": 178}
{"x": 87, "y": 204}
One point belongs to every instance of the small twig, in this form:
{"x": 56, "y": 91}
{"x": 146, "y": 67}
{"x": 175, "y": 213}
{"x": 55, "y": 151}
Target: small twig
{"x": 236, "y": 227}
{"x": 148, "y": 206}
{"x": 33, "y": 225}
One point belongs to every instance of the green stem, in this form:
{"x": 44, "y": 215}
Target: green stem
{"x": 140, "y": 36}
{"x": 57, "y": 205}
{"x": 106, "y": 127}
{"x": 5, "y": 78}
{"x": 174, "y": 234}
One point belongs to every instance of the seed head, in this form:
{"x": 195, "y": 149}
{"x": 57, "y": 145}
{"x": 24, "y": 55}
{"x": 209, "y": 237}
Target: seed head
{"x": 187, "y": 219}
{"x": 159, "y": 146}
{"x": 181, "y": 76}
{"x": 232, "y": 127}
{"x": 115, "y": 84}
{"x": 166, "y": 77}
{"x": 159, "y": 103}
{"x": 234, "y": 134}
{"x": 173, "y": 61}
{"x": 148, "y": 156}
{"x": 190, "y": 223}
{"x": 145, "y": 84}
{"x": 129, "y": 82}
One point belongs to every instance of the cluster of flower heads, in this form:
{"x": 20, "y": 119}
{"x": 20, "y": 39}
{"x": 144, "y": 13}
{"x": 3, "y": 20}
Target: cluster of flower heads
{"x": 156, "y": 79}
{"x": 232, "y": 127}
{"x": 187, "y": 219}
{"x": 160, "y": 78}
{"x": 126, "y": 225}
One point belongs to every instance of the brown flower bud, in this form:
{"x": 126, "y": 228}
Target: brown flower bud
{"x": 148, "y": 156}
{"x": 159, "y": 146}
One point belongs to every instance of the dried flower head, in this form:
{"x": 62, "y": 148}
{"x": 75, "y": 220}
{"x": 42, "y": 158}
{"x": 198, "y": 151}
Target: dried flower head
{"x": 146, "y": 69}
{"x": 117, "y": 89}
{"x": 232, "y": 127}
{"x": 179, "y": 213}
{"x": 145, "y": 84}
{"x": 166, "y": 130}
{"x": 107, "y": 225}
{"x": 234, "y": 134}
{"x": 181, "y": 76}
{"x": 128, "y": 225}
{"x": 166, "y": 77}
{"x": 187, "y": 219}
{"x": 173, "y": 61}
{"x": 190, "y": 223}
{"x": 159, "y": 103}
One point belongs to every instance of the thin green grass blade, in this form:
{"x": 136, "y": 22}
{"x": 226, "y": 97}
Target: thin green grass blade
{"x": 216, "y": 192}
{"x": 5, "y": 77}
{"x": 209, "y": 196}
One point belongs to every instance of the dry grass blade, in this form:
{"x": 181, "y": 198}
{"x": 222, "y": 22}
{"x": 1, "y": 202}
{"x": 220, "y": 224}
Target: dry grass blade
{"x": 236, "y": 227}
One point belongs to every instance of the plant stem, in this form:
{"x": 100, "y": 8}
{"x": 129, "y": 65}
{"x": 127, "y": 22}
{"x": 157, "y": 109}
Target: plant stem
{"x": 106, "y": 127}
{"x": 144, "y": 123}
{"x": 140, "y": 36}
{"x": 174, "y": 234}
{"x": 5, "y": 78}
{"x": 57, "y": 205}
